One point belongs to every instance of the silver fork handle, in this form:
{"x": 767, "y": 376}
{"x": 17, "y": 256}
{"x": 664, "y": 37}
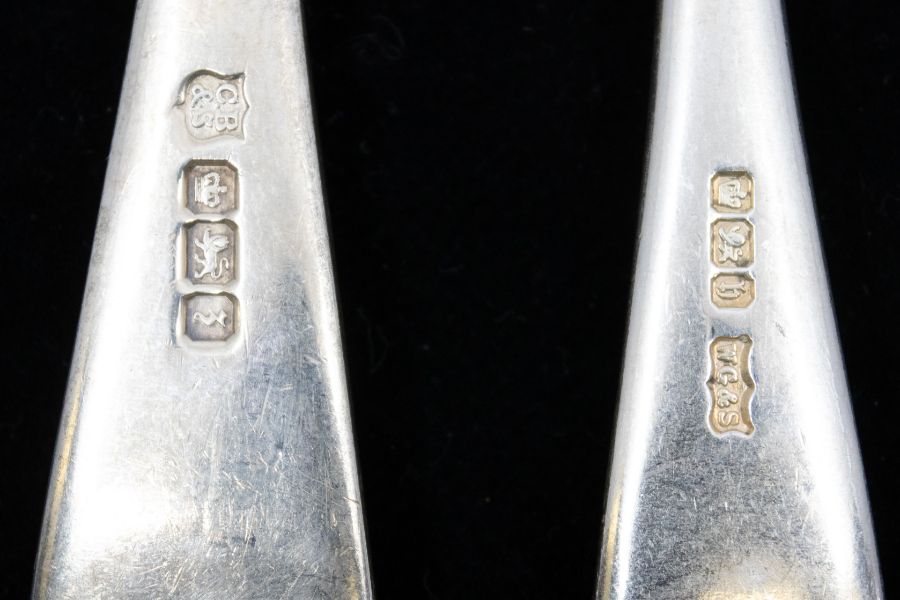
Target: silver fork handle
{"x": 736, "y": 470}
{"x": 206, "y": 450}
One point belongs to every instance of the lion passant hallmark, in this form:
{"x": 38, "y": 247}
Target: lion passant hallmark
{"x": 732, "y": 243}
{"x": 731, "y": 385}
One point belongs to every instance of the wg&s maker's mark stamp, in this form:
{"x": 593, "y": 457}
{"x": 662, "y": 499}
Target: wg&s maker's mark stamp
{"x": 731, "y": 385}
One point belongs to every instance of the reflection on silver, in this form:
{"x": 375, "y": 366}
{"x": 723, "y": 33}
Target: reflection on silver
{"x": 705, "y": 504}
{"x": 205, "y": 450}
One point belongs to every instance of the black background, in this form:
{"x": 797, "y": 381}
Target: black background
{"x": 483, "y": 165}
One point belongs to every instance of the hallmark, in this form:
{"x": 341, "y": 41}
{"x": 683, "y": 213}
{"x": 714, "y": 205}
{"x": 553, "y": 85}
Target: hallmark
{"x": 210, "y": 252}
{"x": 214, "y": 105}
{"x": 211, "y": 187}
{"x": 732, "y": 290}
{"x": 731, "y": 385}
{"x": 732, "y": 243}
{"x": 732, "y": 191}
{"x": 209, "y": 317}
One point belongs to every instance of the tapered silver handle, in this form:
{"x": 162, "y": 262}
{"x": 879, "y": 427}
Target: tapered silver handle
{"x": 736, "y": 472}
{"x": 206, "y": 450}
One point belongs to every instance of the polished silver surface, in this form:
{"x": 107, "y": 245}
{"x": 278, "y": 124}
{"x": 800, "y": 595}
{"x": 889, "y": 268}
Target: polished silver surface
{"x": 706, "y": 501}
{"x": 205, "y": 450}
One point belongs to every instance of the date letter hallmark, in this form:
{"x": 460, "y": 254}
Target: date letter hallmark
{"x": 731, "y": 385}
{"x": 732, "y": 191}
{"x": 210, "y": 187}
{"x": 732, "y": 243}
{"x": 213, "y": 104}
{"x": 733, "y": 290}
{"x": 211, "y": 252}
{"x": 209, "y": 317}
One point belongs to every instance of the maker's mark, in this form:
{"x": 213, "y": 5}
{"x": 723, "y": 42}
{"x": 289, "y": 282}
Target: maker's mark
{"x": 731, "y": 385}
{"x": 213, "y": 104}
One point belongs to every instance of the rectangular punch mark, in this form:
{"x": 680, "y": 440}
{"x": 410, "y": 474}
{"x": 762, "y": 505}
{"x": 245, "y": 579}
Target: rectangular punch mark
{"x": 732, "y": 243}
{"x": 210, "y": 187}
{"x": 732, "y": 191}
{"x": 732, "y": 290}
{"x": 731, "y": 385}
{"x": 209, "y": 317}
{"x": 210, "y": 252}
